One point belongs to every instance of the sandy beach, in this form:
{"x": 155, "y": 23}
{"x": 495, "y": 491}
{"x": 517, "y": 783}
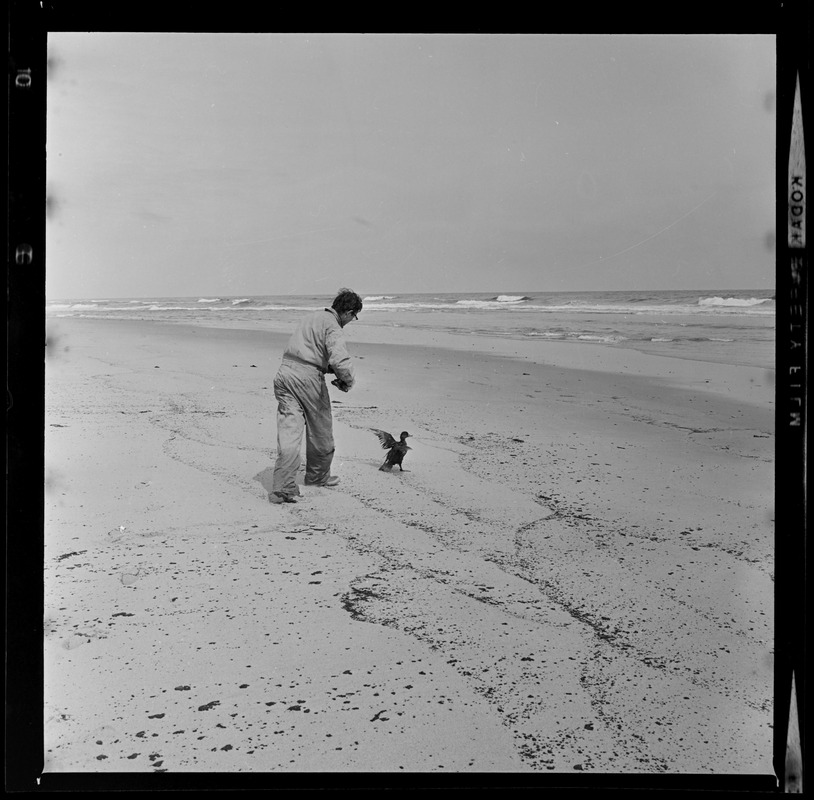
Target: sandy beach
{"x": 574, "y": 573}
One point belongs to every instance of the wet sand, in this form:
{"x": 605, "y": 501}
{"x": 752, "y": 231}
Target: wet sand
{"x": 573, "y": 574}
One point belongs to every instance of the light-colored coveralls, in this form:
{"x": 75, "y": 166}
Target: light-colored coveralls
{"x": 316, "y": 345}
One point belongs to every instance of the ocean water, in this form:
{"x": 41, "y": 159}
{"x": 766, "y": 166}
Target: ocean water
{"x": 734, "y": 326}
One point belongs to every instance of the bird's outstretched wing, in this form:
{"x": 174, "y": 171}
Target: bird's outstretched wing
{"x": 385, "y": 438}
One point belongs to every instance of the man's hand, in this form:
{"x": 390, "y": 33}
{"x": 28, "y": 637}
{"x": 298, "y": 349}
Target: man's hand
{"x": 340, "y": 384}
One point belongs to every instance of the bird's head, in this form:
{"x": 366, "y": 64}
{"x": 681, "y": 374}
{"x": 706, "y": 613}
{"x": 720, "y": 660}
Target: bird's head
{"x": 404, "y": 435}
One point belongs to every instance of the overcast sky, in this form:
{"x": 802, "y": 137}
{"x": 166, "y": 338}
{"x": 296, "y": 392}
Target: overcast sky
{"x": 242, "y": 164}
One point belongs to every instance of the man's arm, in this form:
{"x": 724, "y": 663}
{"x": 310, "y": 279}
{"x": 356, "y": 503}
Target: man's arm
{"x": 339, "y": 360}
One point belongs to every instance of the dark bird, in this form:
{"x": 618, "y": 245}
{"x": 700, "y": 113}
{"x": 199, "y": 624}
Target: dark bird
{"x": 397, "y": 449}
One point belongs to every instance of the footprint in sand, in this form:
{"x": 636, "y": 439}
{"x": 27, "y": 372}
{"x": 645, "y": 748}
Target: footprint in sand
{"x": 128, "y": 578}
{"x": 117, "y": 533}
{"x": 78, "y": 639}
{"x": 72, "y": 642}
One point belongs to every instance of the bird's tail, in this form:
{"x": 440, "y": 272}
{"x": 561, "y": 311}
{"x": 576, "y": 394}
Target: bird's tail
{"x": 385, "y": 467}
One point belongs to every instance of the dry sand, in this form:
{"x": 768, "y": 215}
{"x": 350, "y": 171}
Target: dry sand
{"x": 574, "y": 573}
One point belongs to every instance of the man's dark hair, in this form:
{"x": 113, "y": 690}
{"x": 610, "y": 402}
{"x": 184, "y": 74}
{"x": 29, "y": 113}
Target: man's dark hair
{"x": 346, "y": 300}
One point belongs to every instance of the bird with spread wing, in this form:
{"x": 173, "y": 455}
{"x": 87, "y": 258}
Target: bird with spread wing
{"x": 396, "y": 449}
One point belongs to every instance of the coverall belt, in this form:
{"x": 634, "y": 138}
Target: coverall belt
{"x": 298, "y": 360}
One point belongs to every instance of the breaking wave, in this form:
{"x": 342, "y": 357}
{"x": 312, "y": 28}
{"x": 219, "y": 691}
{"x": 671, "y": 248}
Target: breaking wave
{"x": 510, "y": 298}
{"x": 734, "y": 301}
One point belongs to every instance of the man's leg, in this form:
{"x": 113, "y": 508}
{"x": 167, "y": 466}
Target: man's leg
{"x": 290, "y": 423}
{"x": 319, "y": 437}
